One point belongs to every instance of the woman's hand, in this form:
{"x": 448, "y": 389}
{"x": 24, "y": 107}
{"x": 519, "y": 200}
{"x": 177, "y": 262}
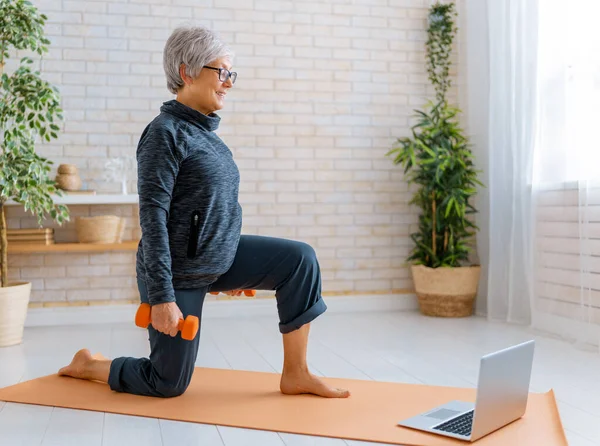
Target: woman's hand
{"x": 233, "y": 292}
{"x": 165, "y": 318}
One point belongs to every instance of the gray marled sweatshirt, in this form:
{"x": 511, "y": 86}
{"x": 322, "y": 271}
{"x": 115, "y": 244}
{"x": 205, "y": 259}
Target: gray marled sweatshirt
{"x": 189, "y": 212}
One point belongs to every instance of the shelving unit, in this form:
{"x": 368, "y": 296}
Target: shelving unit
{"x": 22, "y": 248}
{"x": 79, "y": 199}
{"x": 89, "y": 199}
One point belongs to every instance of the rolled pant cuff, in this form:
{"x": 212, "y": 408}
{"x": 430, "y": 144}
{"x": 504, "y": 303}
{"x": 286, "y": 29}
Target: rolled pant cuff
{"x": 308, "y": 316}
{"x": 114, "y": 375}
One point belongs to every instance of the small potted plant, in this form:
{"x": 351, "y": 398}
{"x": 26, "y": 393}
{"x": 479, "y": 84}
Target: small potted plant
{"x": 29, "y": 110}
{"x": 438, "y": 161}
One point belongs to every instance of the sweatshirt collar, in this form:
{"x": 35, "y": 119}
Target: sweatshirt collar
{"x": 206, "y": 122}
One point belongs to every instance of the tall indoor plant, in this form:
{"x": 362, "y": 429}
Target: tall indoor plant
{"x": 29, "y": 110}
{"x": 438, "y": 160}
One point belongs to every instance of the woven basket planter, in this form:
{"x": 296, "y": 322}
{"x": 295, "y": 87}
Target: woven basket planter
{"x": 446, "y": 292}
{"x": 14, "y": 300}
{"x": 100, "y": 229}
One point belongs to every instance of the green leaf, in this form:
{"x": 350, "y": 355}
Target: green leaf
{"x": 441, "y": 168}
{"x": 29, "y": 106}
{"x": 449, "y": 206}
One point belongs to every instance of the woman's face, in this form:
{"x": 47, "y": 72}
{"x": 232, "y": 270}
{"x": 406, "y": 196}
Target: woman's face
{"x": 206, "y": 93}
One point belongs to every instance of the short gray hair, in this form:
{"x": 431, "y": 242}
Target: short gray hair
{"x": 194, "y": 46}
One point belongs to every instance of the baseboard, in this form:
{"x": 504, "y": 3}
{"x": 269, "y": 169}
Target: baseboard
{"x": 124, "y": 313}
{"x": 569, "y": 329}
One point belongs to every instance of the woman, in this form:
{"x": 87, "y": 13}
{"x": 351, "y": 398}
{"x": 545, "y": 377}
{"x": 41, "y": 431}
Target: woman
{"x": 191, "y": 242}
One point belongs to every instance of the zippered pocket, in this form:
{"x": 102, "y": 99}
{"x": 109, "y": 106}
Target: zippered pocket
{"x": 194, "y": 233}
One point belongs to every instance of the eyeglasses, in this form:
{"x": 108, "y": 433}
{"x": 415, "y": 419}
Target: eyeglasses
{"x": 224, "y": 74}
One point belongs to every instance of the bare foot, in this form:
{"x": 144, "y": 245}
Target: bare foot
{"x": 79, "y": 366}
{"x": 299, "y": 382}
{"x": 99, "y": 356}
{"x": 86, "y": 366}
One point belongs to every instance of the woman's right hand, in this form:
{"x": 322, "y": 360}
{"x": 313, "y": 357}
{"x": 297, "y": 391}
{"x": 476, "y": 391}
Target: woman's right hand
{"x": 165, "y": 318}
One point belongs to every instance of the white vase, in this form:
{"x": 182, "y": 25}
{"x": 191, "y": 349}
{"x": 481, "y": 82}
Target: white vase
{"x": 14, "y": 301}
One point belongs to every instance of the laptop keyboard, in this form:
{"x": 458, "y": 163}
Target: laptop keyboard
{"x": 460, "y": 425}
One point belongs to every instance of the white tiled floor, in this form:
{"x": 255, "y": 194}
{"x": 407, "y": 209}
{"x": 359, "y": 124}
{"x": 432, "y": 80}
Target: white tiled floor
{"x": 399, "y": 347}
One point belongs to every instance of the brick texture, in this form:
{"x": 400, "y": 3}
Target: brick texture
{"x": 324, "y": 88}
{"x": 567, "y": 275}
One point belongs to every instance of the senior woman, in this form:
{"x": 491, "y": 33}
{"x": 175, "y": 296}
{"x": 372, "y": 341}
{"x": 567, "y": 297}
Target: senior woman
{"x": 191, "y": 240}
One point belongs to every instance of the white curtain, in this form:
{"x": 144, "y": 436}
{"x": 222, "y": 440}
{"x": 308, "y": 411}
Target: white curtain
{"x": 512, "y": 119}
{"x": 544, "y": 161}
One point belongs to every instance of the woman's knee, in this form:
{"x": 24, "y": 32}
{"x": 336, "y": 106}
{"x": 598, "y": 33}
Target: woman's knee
{"x": 305, "y": 254}
{"x": 305, "y": 273}
{"x": 169, "y": 387}
{"x": 170, "y": 379}
{"x": 170, "y": 390}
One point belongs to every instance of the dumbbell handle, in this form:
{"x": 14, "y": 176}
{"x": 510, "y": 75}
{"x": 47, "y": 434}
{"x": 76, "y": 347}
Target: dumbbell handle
{"x": 188, "y": 327}
{"x": 180, "y": 324}
{"x": 246, "y": 292}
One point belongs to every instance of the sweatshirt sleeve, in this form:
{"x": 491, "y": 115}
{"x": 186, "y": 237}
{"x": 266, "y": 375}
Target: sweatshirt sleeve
{"x": 158, "y": 159}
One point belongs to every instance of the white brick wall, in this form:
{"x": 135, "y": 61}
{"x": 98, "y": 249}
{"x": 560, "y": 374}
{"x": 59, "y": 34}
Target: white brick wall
{"x": 324, "y": 88}
{"x": 558, "y": 275}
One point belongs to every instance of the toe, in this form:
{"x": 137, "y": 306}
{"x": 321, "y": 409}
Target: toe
{"x": 344, "y": 393}
{"x": 339, "y": 393}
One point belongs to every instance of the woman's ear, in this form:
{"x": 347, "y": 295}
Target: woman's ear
{"x": 186, "y": 79}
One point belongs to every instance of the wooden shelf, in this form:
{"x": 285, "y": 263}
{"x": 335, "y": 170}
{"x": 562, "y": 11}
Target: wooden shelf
{"x": 89, "y": 199}
{"x": 22, "y": 248}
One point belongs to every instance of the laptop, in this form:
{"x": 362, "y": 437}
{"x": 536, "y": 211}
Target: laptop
{"x": 502, "y": 391}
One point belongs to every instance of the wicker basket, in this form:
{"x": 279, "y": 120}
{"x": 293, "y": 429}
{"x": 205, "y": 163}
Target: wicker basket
{"x": 100, "y": 229}
{"x": 14, "y": 300}
{"x": 446, "y": 292}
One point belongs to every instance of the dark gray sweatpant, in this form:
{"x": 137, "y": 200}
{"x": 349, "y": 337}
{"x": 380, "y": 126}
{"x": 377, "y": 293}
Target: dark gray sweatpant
{"x": 261, "y": 263}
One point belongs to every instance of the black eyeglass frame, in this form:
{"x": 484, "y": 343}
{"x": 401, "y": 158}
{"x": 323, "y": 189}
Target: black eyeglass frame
{"x": 228, "y": 74}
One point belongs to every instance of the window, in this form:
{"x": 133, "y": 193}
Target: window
{"x": 568, "y": 72}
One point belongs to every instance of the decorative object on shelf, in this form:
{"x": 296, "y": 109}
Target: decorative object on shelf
{"x": 100, "y": 229}
{"x": 119, "y": 169}
{"x": 43, "y": 236}
{"x": 437, "y": 158}
{"x": 29, "y": 112}
{"x": 67, "y": 178}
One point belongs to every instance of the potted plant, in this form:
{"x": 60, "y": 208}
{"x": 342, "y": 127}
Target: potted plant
{"x": 437, "y": 159}
{"x": 29, "y": 110}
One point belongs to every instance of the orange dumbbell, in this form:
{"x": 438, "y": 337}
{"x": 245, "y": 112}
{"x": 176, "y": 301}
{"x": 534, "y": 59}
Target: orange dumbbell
{"x": 187, "y": 327}
{"x": 249, "y": 293}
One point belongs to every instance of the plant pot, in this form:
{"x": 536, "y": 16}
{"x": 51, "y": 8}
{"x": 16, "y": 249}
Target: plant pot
{"x": 14, "y": 301}
{"x": 446, "y": 292}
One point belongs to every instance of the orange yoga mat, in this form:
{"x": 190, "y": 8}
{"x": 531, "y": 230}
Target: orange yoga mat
{"x": 252, "y": 400}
